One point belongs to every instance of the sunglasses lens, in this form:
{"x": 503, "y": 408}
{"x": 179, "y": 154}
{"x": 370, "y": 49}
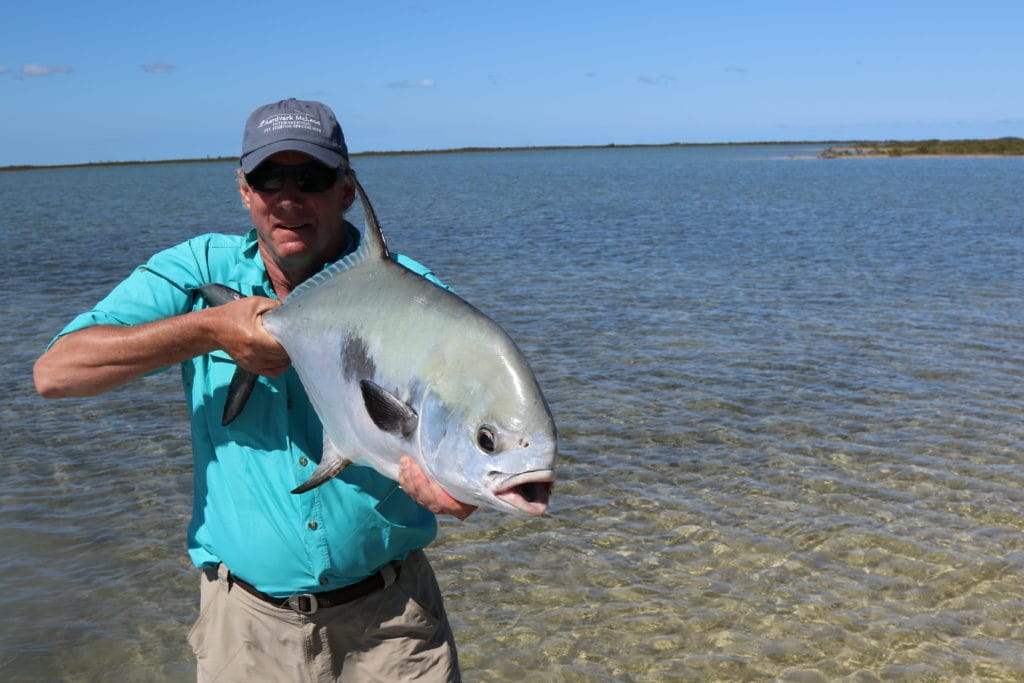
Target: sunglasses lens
{"x": 315, "y": 178}
{"x": 265, "y": 180}
{"x": 310, "y": 178}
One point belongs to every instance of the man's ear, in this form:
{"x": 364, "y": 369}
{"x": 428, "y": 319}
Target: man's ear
{"x": 349, "y": 196}
{"x": 244, "y": 190}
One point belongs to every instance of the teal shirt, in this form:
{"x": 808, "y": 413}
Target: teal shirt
{"x": 243, "y": 513}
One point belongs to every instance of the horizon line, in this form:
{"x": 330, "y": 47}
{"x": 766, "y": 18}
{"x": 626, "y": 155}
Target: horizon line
{"x": 468, "y": 150}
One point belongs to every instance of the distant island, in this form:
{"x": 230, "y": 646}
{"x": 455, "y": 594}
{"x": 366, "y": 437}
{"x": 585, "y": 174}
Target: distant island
{"x": 833, "y": 150}
{"x": 457, "y": 150}
{"x": 999, "y": 147}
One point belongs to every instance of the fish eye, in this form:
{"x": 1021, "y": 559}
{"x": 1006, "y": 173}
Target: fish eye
{"x": 485, "y": 439}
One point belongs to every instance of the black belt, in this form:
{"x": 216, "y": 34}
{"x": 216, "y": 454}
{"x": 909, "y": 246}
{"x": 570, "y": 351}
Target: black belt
{"x": 309, "y": 603}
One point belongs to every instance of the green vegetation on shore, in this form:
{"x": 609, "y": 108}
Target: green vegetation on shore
{"x": 91, "y": 164}
{"x": 892, "y": 148}
{"x": 457, "y": 150}
{"x": 836, "y": 149}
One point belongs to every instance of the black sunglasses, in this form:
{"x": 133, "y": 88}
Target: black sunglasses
{"x": 310, "y": 178}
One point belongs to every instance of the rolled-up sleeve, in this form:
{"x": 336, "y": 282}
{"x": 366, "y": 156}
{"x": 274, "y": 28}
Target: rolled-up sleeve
{"x": 159, "y": 289}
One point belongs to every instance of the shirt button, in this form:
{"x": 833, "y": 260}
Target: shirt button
{"x": 303, "y": 462}
{"x": 312, "y": 526}
{"x": 323, "y": 580}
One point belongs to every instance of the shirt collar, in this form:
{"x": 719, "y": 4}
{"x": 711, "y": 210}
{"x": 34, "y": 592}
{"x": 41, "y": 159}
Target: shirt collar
{"x": 251, "y": 251}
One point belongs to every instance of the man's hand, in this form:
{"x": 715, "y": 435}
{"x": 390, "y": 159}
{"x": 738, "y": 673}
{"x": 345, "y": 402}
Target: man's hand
{"x": 427, "y": 493}
{"x": 243, "y": 337}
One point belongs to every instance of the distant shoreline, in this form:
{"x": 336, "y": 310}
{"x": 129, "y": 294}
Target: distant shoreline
{"x": 1000, "y": 147}
{"x": 457, "y": 150}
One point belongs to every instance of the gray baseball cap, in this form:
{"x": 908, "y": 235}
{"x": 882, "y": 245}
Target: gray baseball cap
{"x": 293, "y": 126}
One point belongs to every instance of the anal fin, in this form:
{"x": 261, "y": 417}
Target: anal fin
{"x": 331, "y": 464}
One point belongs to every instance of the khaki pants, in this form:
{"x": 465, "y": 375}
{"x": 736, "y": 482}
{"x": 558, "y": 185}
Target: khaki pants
{"x": 398, "y": 633}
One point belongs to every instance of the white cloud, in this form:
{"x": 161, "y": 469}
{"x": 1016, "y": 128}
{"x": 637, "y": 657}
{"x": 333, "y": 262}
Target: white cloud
{"x": 158, "y": 68}
{"x": 4, "y": 69}
{"x": 663, "y": 79}
{"x": 39, "y": 70}
{"x": 425, "y": 83}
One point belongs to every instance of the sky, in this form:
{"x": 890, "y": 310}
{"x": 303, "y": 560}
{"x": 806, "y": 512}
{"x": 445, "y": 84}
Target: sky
{"x": 134, "y": 81}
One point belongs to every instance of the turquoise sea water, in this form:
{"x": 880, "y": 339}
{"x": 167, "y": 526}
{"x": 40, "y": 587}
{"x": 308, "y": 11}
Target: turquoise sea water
{"x": 790, "y": 396}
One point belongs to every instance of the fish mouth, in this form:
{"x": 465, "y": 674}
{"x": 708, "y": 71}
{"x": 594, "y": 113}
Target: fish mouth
{"x": 528, "y": 492}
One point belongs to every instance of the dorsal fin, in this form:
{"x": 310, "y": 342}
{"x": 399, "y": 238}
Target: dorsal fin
{"x": 372, "y": 234}
{"x": 372, "y": 246}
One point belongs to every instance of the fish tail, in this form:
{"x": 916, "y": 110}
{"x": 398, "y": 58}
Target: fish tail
{"x": 243, "y": 381}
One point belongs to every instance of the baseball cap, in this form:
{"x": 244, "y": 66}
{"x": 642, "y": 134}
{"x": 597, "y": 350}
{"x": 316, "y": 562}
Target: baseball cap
{"x": 293, "y": 126}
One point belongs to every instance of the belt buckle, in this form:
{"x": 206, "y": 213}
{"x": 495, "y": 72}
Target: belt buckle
{"x": 304, "y": 603}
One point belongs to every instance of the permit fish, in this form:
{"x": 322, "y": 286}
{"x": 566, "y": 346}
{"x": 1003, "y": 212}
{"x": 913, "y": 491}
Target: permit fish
{"x": 395, "y": 365}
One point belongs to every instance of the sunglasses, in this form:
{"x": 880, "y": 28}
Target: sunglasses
{"x": 310, "y": 178}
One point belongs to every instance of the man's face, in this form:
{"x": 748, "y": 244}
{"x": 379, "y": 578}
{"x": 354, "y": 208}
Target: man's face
{"x": 298, "y": 231}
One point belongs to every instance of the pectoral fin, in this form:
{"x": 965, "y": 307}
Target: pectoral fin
{"x": 387, "y": 411}
{"x": 331, "y": 464}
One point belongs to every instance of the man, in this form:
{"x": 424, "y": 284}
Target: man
{"x": 328, "y": 585}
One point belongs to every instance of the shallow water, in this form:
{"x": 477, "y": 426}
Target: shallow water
{"x": 789, "y": 395}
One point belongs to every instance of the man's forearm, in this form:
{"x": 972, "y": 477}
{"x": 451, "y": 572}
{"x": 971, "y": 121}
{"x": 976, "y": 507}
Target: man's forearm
{"x": 96, "y": 359}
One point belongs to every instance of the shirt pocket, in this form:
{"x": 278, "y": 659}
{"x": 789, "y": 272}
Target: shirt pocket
{"x": 375, "y": 520}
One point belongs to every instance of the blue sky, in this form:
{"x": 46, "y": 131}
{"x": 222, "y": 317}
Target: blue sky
{"x": 101, "y": 81}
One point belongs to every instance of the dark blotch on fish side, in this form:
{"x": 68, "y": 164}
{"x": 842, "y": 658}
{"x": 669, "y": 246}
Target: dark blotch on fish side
{"x": 355, "y": 359}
